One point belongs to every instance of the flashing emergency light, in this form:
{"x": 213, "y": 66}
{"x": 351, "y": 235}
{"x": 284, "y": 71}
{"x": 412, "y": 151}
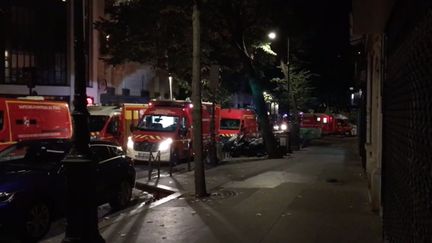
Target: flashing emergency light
{"x": 325, "y": 120}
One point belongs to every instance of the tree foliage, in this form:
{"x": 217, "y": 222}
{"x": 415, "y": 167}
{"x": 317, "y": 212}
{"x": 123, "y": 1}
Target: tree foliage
{"x": 301, "y": 89}
{"x": 154, "y": 32}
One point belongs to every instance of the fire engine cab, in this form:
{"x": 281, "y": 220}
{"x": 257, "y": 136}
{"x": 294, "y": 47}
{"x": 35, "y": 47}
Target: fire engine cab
{"x": 166, "y": 126}
{"x": 33, "y": 118}
{"x": 235, "y": 121}
{"x": 112, "y": 123}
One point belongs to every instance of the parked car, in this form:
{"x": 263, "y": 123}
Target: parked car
{"x": 32, "y": 183}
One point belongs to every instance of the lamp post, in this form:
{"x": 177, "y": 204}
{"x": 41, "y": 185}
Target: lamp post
{"x": 285, "y": 67}
{"x": 80, "y": 169}
{"x": 170, "y": 86}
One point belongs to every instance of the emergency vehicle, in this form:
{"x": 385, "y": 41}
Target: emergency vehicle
{"x": 310, "y": 127}
{"x": 113, "y": 123}
{"x": 33, "y": 118}
{"x": 344, "y": 127}
{"x": 167, "y": 127}
{"x": 236, "y": 121}
{"x": 328, "y": 123}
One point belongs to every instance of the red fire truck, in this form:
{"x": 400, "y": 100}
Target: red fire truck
{"x": 167, "y": 127}
{"x": 310, "y": 127}
{"x": 328, "y": 123}
{"x": 233, "y": 121}
{"x": 113, "y": 123}
{"x": 33, "y": 118}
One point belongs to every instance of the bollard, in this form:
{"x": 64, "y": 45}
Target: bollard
{"x": 153, "y": 159}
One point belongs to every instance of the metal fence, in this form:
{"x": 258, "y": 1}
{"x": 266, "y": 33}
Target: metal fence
{"x": 407, "y": 125}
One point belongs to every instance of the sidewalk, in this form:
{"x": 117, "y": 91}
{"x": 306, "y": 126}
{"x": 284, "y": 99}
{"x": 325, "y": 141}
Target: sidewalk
{"x": 319, "y": 194}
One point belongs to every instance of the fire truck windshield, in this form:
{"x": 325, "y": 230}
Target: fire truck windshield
{"x": 230, "y": 124}
{"x": 96, "y": 123}
{"x": 159, "y": 123}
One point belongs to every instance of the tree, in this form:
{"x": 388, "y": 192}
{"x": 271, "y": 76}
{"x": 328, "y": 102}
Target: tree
{"x": 153, "y": 32}
{"x": 234, "y": 30}
{"x": 200, "y": 187}
{"x": 301, "y": 89}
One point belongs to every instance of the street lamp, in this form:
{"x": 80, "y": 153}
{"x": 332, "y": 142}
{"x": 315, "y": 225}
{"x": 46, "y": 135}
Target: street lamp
{"x": 272, "y": 35}
{"x": 170, "y": 86}
{"x": 285, "y": 67}
{"x": 79, "y": 168}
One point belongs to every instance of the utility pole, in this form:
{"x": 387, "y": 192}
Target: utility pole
{"x": 80, "y": 169}
{"x": 293, "y": 124}
{"x": 294, "y": 139}
{"x": 289, "y": 94}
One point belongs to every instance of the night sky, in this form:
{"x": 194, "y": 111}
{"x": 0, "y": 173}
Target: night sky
{"x": 328, "y": 48}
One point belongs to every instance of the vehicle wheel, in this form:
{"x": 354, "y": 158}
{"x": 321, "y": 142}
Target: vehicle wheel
{"x": 37, "y": 222}
{"x": 122, "y": 197}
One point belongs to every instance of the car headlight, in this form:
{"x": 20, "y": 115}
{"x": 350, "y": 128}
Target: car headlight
{"x": 165, "y": 144}
{"x": 6, "y": 196}
{"x": 130, "y": 143}
{"x": 284, "y": 127}
{"x": 275, "y": 127}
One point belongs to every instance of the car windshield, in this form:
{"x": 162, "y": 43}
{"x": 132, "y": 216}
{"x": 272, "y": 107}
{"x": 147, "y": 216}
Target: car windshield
{"x": 96, "y": 123}
{"x": 230, "y": 124}
{"x": 159, "y": 123}
{"x": 33, "y": 155}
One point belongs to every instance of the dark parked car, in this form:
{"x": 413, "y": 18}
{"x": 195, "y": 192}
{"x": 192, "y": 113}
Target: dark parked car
{"x": 32, "y": 183}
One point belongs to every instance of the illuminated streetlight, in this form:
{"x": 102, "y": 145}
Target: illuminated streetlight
{"x": 272, "y": 35}
{"x": 285, "y": 67}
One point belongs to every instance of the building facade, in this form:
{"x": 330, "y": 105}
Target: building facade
{"x": 36, "y": 41}
{"x": 398, "y": 113}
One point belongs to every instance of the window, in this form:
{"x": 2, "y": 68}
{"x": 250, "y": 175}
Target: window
{"x": 97, "y": 123}
{"x": 159, "y": 123}
{"x": 34, "y": 43}
{"x": 113, "y": 126}
{"x": 100, "y": 152}
{"x": 230, "y": 124}
{"x": 116, "y": 151}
